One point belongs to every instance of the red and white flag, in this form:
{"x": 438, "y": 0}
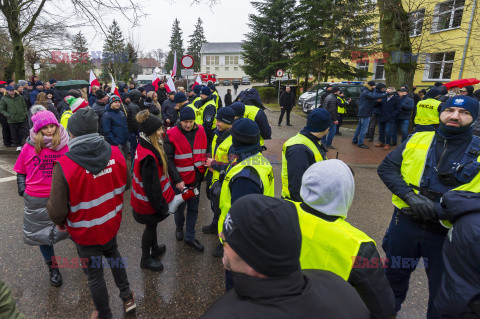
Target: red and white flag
{"x": 174, "y": 70}
{"x": 170, "y": 86}
{"x": 198, "y": 81}
{"x": 155, "y": 80}
{"x": 93, "y": 81}
{"x": 114, "y": 88}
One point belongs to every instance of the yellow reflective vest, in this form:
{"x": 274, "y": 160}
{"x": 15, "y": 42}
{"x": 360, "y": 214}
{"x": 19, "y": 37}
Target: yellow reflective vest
{"x": 220, "y": 154}
{"x": 341, "y": 106}
{"x": 297, "y": 139}
{"x": 217, "y": 97}
{"x": 199, "y": 118}
{"x": 326, "y": 245}
{"x": 250, "y": 113}
{"x": 427, "y": 112}
{"x": 413, "y": 165}
{"x": 64, "y": 119}
{"x": 264, "y": 170}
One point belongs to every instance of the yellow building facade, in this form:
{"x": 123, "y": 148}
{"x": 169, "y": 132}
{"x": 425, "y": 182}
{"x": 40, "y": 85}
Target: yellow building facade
{"x": 445, "y": 37}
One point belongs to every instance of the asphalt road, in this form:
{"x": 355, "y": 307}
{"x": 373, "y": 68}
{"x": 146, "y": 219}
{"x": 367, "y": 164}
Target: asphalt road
{"x": 191, "y": 281}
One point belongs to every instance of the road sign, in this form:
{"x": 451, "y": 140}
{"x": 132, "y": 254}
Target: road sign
{"x": 187, "y": 61}
{"x": 279, "y": 73}
{"x": 186, "y": 72}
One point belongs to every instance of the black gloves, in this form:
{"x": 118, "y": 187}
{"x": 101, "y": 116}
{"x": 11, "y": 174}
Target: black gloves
{"x": 21, "y": 178}
{"x": 421, "y": 206}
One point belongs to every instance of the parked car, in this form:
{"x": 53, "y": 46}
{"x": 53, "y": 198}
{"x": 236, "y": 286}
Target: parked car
{"x": 226, "y": 83}
{"x": 237, "y": 81}
{"x": 352, "y": 91}
{"x": 245, "y": 80}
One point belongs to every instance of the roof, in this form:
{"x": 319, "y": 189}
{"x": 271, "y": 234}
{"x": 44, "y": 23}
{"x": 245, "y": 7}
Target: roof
{"x": 148, "y": 63}
{"x": 221, "y": 47}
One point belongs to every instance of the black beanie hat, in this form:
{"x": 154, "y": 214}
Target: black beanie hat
{"x": 371, "y": 83}
{"x": 264, "y": 231}
{"x": 318, "y": 120}
{"x": 100, "y": 94}
{"x": 335, "y": 89}
{"x": 433, "y": 92}
{"x": 226, "y": 115}
{"x": 187, "y": 113}
{"x": 245, "y": 132}
{"x": 238, "y": 108}
{"x": 83, "y": 121}
{"x": 150, "y": 125}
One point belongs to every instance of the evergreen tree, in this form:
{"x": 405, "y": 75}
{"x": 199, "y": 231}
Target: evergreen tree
{"x": 83, "y": 64}
{"x": 266, "y": 47}
{"x": 328, "y": 31}
{"x": 114, "y": 55}
{"x": 176, "y": 45}
{"x": 197, "y": 38}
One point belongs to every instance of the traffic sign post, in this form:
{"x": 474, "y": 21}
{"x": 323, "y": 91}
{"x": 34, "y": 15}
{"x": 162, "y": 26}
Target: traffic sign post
{"x": 186, "y": 72}
{"x": 279, "y": 75}
{"x": 187, "y": 61}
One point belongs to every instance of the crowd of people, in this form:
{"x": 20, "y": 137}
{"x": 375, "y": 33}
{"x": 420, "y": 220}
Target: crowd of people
{"x": 287, "y": 257}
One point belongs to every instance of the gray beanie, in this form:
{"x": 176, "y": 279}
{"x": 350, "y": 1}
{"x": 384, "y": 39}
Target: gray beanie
{"x": 82, "y": 122}
{"x": 328, "y": 187}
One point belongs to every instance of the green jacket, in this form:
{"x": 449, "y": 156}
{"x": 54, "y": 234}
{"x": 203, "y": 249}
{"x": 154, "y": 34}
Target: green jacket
{"x": 14, "y": 109}
{"x": 7, "y": 304}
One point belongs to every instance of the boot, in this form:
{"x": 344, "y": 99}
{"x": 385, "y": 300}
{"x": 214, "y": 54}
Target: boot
{"x": 147, "y": 262}
{"x": 157, "y": 251}
{"x": 55, "y": 276}
{"x": 218, "y": 251}
{"x": 210, "y": 229}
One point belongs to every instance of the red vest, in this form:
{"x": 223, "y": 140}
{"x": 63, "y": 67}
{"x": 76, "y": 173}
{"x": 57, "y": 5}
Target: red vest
{"x": 96, "y": 201}
{"x": 187, "y": 159}
{"x": 138, "y": 198}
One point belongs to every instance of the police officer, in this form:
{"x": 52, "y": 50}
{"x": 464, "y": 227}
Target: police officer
{"x": 239, "y": 109}
{"x": 254, "y": 111}
{"x": 342, "y": 110}
{"x": 250, "y": 173}
{"x": 196, "y": 91}
{"x": 206, "y": 110}
{"x": 418, "y": 173}
{"x": 218, "y": 100}
{"x": 426, "y": 113}
{"x": 302, "y": 150}
{"x": 329, "y": 242}
{"x": 186, "y": 147}
{"x": 181, "y": 100}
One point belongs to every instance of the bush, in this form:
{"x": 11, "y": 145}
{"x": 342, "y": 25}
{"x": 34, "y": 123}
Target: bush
{"x": 267, "y": 94}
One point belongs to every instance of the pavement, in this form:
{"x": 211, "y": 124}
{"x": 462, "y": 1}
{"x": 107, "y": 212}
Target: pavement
{"x": 191, "y": 281}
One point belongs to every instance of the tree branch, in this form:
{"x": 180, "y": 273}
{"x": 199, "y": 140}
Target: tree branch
{"x": 34, "y": 18}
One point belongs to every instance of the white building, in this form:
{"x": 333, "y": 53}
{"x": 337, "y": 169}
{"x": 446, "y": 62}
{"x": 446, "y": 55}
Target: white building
{"x": 222, "y": 59}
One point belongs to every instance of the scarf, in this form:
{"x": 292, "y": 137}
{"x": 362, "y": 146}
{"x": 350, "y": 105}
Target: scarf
{"x": 47, "y": 140}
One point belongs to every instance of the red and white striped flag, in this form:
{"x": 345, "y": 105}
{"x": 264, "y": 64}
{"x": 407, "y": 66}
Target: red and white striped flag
{"x": 93, "y": 81}
{"x": 155, "y": 80}
{"x": 114, "y": 88}
{"x": 198, "y": 81}
{"x": 170, "y": 86}
{"x": 174, "y": 70}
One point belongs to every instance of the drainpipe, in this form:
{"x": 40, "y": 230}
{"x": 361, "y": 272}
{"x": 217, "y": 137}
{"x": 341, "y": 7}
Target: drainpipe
{"x": 468, "y": 39}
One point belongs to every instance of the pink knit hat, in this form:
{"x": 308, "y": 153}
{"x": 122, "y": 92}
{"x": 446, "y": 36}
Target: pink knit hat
{"x": 43, "y": 118}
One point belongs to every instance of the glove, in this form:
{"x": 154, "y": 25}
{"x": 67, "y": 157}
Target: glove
{"x": 187, "y": 194}
{"x": 421, "y": 206}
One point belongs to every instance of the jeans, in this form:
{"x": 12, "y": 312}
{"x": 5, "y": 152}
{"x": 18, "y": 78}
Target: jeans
{"x": 327, "y": 139}
{"x": 96, "y": 282}
{"x": 340, "y": 121}
{"x": 386, "y": 132}
{"x": 18, "y": 131}
{"x": 284, "y": 109}
{"x": 47, "y": 252}
{"x": 361, "y": 130}
{"x": 404, "y": 243}
{"x": 192, "y": 213}
{"x": 403, "y": 124}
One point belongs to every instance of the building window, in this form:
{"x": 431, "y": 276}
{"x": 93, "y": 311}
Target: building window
{"x": 207, "y": 69}
{"x": 231, "y": 60}
{"x": 235, "y": 69}
{"x": 416, "y": 22}
{"x": 366, "y": 36}
{"x": 362, "y": 66}
{"x": 213, "y": 60}
{"x": 227, "y": 68}
{"x": 217, "y": 68}
{"x": 448, "y": 15}
{"x": 439, "y": 66}
{"x": 379, "y": 73}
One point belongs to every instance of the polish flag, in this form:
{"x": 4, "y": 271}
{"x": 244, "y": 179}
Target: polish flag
{"x": 198, "y": 81}
{"x": 174, "y": 70}
{"x": 155, "y": 80}
{"x": 170, "y": 85}
{"x": 93, "y": 81}
{"x": 114, "y": 88}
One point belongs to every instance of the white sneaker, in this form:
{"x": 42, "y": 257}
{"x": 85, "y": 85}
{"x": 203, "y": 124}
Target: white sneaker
{"x": 19, "y": 148}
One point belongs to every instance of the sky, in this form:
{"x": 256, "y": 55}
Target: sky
{"x": 223, "y": 22}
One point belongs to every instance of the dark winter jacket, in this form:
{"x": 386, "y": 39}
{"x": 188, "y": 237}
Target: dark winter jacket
{"x": 300, "y": 295}
{"x": 132, "y": 110}
{"x": 26, "y": 97}
{"x": 390, "y": 108}
{"x": 323, "y": 96}
{"x": 407, "y": 105}
{"x": 247, "y": 181}
{"x": 170, "y": 152}
{"x": 14, "y": 109}
{"x": 152, "y": 108}
{"x": 114, "y": 125}
{"x": 33, "y": 96}
{"x": 99, "y": 109}
{"x": 367, "y": 100}
{"x": 299, "y": 159}
{"x": 57, "y": 96}
{"x": 331, "y": 105}
{"x": 252, "y": 97}
{"x": 208, "y": 117}
{"x": 169, "y": 112}
{"x": 460, "y": 286}
{"x": 162, "y": 95}
{"x": 51, "y": 107}
{"x": 92, "y": 98}
{"x": 287, "y": 99}
{"x": 262, "y": 122}
{"x": 227, "y": 99}
{"x": 370, "y": 282}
